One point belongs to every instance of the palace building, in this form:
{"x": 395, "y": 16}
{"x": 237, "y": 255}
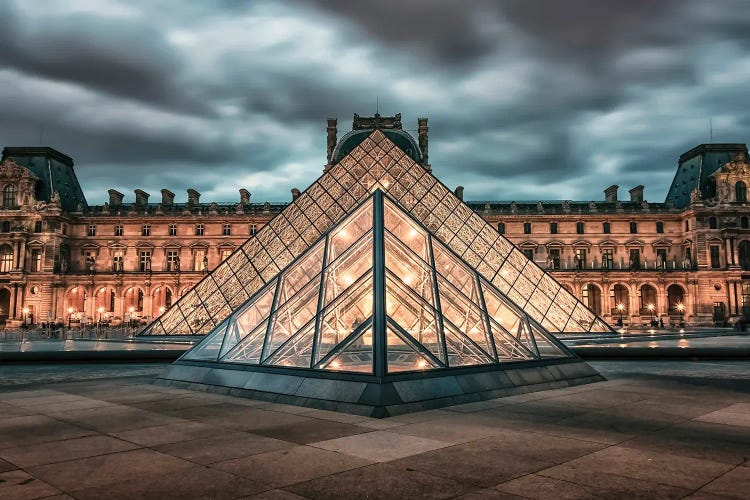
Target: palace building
{"x": 686, "y": 259}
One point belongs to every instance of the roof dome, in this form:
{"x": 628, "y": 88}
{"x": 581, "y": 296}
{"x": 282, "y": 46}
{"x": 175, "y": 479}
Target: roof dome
{"x": 352, "y": 139}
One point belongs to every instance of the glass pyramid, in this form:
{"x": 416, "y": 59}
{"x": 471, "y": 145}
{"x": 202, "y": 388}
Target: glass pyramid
{"x": 461, "y": 234}
{"x": 377, "y": 294}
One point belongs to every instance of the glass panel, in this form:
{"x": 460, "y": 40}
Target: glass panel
{"x": 357, "y": 356}
{"x": 344, "y": 315}
{"x": 292, "y": 316}
{"x": 348, "y": 268}
{"x": 301, "y": 272}
{"x": 248, "y": 350}
{"x": 500, "y": 310}
{"x": 231, "y": 337}
{"x": 454, "y": 270}
{"x": 208, "y": 348}
{"x": 254, "y": 311}
{"x": 409, "y": 232}
{"x": 414, "y": 316}
{"x": 547, "y": 348}
{"x": 461, "y": 351}
{"x": 350, "y": 231}
{"x": 410, "y": 270}
{"x": 600, "y": 327}
{"x": 403, "y": 356}
{"x": 297, "y": 351}
{"x": 508, "y": 348}
{"x": 465, "y": 315}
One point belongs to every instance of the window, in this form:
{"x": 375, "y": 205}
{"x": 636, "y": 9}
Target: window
{"x": 501, "y": 227}
{"x": 740, "y": 192}
{"x": 36, "y": 260}
{"x": 92, "y": 230}
{"x": 579, "y": 259}
{"x": 554, "y": 258}
{"x": 553, "y": 227}
{"x": 635, "y": 259}
{"x": 579, "y": 227}
{"x": 6, "y": 226}
{"x": 744, "y": 223}
{"x": 118, "y": 230}
{"x": 145, "y": 261}
{"x": 660, "y": 227}
{"x": 633, "y": 228}
{"x": 173, "y": 260}
{"x": 712, "y": 223}
{"x": 173, "y": 230}
{"x": 529, "y": 253}
{"x": 64, "y": 228}
{"x": 90, "y": 261}
{"x": 715, "y": 256}
{"x": 226, "y": 230}
{"x": 527, "y": 228}
{"x": 146, "y": 230}
{"x": 200, "y": 263}
{"x": 661, "y": 258}
{"x": 606, "y": 228}
{"x": 253, "y": 229}
{"x": 117, "y": 261}
{"x": 6, "y": 259}
{"x": 225, "y": 253}
{"x": 38, "y": 226}
{"x": 199, "y": 231}
{"x": 9, "y": 196}
{"x": 608, "y": 258}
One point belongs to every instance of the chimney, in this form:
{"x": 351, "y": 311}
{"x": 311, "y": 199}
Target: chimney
{"x": 194, "y": 197}
{"x": 610, "y": 194}
{"x": 460, "y": 192}
{"x": 167, "y": 198}
{"x": 295, "y": 193}
{"x": 331, "y": 138}
{"x": 115, "y": 198}
{"x": 141, "y": 198}
{"x": 422, "y": 129}
{"x": 244, "y": 196}
{"x": 636, "y": 194}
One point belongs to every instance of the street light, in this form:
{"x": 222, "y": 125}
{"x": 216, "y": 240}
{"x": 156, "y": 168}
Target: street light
{"x": 131, "y": 310}
{"x": 162, "y": 309}
{"x": 70, "y": 313}
{"x": 651, "y": 308}
{"x": 100, "y": 310}
{"x": 620, "y": 308}
{"x": 25, "y": 312}
{"x": 681, "y": 309}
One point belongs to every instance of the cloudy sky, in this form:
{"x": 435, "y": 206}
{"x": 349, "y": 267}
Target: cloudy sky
{"x": 527, "y": 100}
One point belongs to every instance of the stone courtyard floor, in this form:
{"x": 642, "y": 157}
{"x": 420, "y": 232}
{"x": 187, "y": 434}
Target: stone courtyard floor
{"x": 656, "y": 429}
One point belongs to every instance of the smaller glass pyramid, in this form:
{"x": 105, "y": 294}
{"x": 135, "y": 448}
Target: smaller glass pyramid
{"x": 378, "y": 293}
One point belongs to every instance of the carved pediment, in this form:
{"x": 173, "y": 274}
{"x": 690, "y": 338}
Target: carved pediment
{"x": 12, "y": 170}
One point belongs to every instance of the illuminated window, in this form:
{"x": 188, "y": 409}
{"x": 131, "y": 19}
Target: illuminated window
{"x": 200, "y": 261}
{"x": 173, "y": 260}
{"x": 145, "y": 260}
{"x": 9, "y": 196}
{"x": 6, "y": 259}
{"x": 117, "y": 261}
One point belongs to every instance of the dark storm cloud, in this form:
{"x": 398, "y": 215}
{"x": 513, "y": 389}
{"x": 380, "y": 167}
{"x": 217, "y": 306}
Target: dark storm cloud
{"x": 525, "y": 99}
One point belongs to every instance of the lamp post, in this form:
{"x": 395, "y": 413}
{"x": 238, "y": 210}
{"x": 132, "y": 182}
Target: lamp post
{"x": 70, "y": 313}
{"x": 681, "y": 309}
{"x": 620, "y": 308}
{"x": 131, "y": 310}
{"x": 651, "y": 308}
{"x": 100, "y": 310}
{"x": 25, "y": 312}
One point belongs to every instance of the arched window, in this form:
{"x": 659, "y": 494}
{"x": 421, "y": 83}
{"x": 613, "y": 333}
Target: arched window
{"x": 6, "y": 258}
{"x": 712, "y": 223}
{"x": 740, "y": 192}
{"x": 9, "y": 196}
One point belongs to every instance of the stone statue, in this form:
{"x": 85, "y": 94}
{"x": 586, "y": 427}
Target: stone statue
{"x": 695, "y": 196}
{"x": 539, "y": 207}
{"x": 513, "y": 207}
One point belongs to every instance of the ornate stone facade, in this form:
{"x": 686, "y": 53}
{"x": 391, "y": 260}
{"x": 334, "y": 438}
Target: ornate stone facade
{"x": 631, "y": 260}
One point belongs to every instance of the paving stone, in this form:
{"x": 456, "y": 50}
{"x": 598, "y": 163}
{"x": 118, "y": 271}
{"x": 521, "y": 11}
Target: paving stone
{"x": 115, "y": 418}
{"x": 196, "y": 482}
{"x": 726, "y": 417}
{"x": 733, "y": 484}
{"x": 480, "y": 463}
{"x": 171, "y": 433}
{"x": 311, "y": 431}
{"x": 489, "y": 494}
{"x": 20, "y": 431}
{"x": 223, "y": 446}
{"x": 380, "y": 481}
{"x": 173, "y": 404}
{"x": 18, "y": 484}
{"x": 451, "y": 429}
{"x": 663, "y": 468}
{"x": 534, "y": 486}
{"x": 381, "y": 446}
{"x": 107, "y": 469}
{"x": 274, "y": 495}
{"x": 68, "y": 449}
{"x": 6, "y": 466}
{"x": 294, "y": 465}
{"x": 251, "y": 419}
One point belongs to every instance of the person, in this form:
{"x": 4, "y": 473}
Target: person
{"x": 661, "y": 322}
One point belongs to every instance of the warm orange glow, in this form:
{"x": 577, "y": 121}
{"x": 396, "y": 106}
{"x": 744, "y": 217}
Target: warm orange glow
{"x": 620, "y": 307}
{"x": 650, "y": 307}
{"x": 100, "y": 309}
{"x": 335, "y": 364}
{"x": 421, "y": 363}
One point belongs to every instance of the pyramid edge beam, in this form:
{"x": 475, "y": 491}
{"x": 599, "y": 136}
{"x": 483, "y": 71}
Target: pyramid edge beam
{"x": 376, "y": 397}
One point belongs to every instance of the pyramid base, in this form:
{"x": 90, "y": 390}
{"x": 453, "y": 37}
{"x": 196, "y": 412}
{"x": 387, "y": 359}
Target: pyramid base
{"x": 369, "y": 396}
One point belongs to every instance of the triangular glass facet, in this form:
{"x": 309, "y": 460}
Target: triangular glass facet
{"x": 403, "y": 355}
{"x": 208, "y": 349}
{"x": 355, "y": 355}
{"x": 461, "y": 350}
{"x": 547, "y": 347}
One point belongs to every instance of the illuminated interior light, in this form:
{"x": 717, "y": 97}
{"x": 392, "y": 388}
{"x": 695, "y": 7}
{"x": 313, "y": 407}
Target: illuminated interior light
{"x": 421, "y": 363}
{"x": 408, "y": 279}
{"x": 347, "y": 279}
{"x": 335, "y": 364}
